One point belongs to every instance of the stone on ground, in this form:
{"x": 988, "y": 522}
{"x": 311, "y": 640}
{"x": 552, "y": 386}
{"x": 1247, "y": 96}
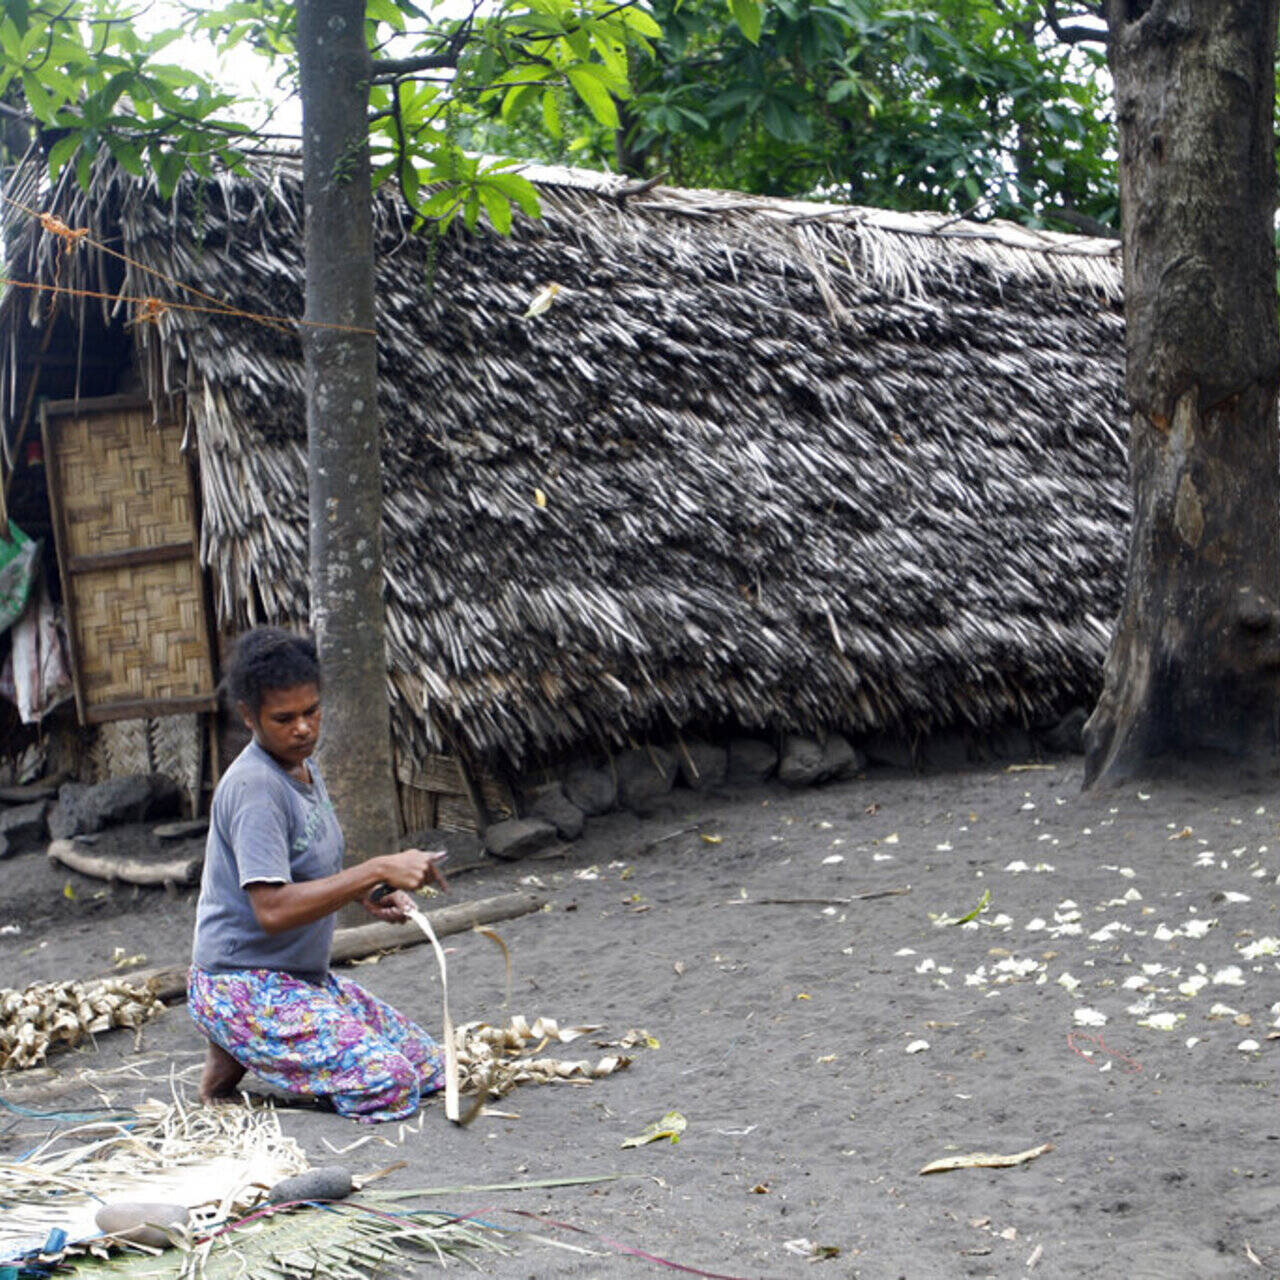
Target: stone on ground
{"x": 645, "y": 775}
{"x": 518, "y": 837}
{"x": 801, "y": 762}
{"x": 23, "y": 827}
{"x": 702, "y": 764}
{"x": 840, "y": 761}
{"x": 84, "y": 809}
{"x": 750, "y": 761}
{"x": 594, "y": 791}
{"x": 551, "y": 803}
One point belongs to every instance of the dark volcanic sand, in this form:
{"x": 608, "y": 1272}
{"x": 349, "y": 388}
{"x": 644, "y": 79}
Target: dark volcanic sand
{"x": 784, "y": 1031}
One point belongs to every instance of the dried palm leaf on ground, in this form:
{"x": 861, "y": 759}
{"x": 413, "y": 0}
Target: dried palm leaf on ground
{"x": 494, "y": 1060}
{"x": 352, "y": 1240}
{"x": 45, "y": 1015}
{"x": 213, "y": 1160}
{"x": 985, "y": 1160}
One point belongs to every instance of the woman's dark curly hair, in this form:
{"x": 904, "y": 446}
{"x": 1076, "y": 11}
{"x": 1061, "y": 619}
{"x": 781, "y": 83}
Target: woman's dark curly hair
{"x": 269, "y": 658}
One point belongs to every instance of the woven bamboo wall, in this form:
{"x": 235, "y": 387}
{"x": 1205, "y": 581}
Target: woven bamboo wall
{"x": 433, "y": 793}
{"x": 127, "y": 550}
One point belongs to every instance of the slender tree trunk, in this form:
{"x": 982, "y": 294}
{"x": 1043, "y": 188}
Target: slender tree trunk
{"x": 1194, "y": 667}
{"x": 344, "y": 459}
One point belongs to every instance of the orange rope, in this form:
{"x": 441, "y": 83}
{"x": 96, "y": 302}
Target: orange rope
{"x": 152, "y": 309}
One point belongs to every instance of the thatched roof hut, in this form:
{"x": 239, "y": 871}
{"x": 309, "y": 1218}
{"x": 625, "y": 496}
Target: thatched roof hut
{"x": 762, "y": 463}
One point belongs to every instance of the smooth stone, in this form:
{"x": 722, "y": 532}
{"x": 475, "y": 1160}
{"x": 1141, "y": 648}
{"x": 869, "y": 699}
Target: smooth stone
{"x": 594, "y": 791}
{"x": 703, "y": 765}
{"x": 24, "y": 825}
{"x": 141, "y": 1222}
{"x": 330, "y": 1183}
{"x": 516, "y": 838}
{"x": 840, "y": 761}
{"x": 551, "y": 803}
{"x": 801, "y": 762}
{"x": 645, "y": 775}
{"x": 750, "y": 761}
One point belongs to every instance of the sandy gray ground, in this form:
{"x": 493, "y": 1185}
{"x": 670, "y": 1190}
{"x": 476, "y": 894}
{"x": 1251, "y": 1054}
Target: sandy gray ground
{"x": 786, "y": 1030}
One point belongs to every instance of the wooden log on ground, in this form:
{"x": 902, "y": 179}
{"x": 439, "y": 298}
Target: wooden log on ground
{"x": 365, "y": 939}
{"x": 178, "y": 871}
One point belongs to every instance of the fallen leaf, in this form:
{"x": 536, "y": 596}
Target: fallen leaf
{"x": 985, "y": 1160}
{"x": 979, "y": 1222}
{"x": 539, "y": 498}
{"x": 671, "y": 1126}
{"x": 803, "y": 995}
{"x": 712, "y": 839}
{"x": 541, "y": 301}
{"x": 760, "y": 1189}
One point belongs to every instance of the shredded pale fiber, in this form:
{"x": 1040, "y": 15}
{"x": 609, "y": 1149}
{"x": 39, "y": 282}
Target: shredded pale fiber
{"x": 494, "y": 1060}
{"x": 46, "y": 1015}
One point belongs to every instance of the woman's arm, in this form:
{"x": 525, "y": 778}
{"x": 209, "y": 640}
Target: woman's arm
{"x": 279, "y": 907}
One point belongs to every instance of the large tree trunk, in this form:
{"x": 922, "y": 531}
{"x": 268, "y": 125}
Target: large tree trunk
{"x": 1194, "y": 664}
{"x": 344, "y": 459}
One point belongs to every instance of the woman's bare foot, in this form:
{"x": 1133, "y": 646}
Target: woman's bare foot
{"x": 220, "y": 1076}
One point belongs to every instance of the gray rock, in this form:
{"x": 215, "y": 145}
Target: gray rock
{"x": 645, "y": 775}
{"x": 750, "y": 761}
{"x": 708, "y": 767}
{"x": 801, "y": 762}
{"x": 82, "y": 809}
{"x": 840, "y": 761}
{"x": 1010, "y": 742}
{"x": 947, "y": 750}
{"x": 890, "y": 749}
{"x": 1067, "y": 736}
{"x": 518, "y": 837}
{"x": 23, "y": 826}
{"x": 331, "y": 1182}
{"x": 594, "y": 791}
{"x": 551, "y": 803}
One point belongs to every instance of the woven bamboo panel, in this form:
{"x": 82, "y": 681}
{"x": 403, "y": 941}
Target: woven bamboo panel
{"x": 124, "y": 482}
{"x": 431, "y": 773}
{"x": 139, "y": 633}
{"x": 121, "y": 748}
{"x": 454, "y": 813}
{"x": 177, "y": 748}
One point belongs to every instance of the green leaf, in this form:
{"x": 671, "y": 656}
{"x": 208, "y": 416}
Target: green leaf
{"x": 517, "y": 189}
{"x": 126, "y": 156}
{"x": 517, "y": 99}
{"x": 61, "y": 152}
{"x": 641, "y": 23}
{"x": 498, "y": 207}
{"x": 749, "y": 16}
{"x": 42, "y": 105}
{"x": 551, "y": 114}
{"x": 84, "y": 168}
{"x": 586, "y": 83}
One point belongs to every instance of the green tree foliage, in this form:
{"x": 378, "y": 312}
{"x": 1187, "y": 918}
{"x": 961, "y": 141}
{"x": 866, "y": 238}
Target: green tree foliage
{"x": 961, "y": 105}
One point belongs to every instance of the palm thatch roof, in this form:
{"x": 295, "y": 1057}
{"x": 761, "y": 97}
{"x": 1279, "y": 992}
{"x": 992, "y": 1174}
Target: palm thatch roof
{"x": 762, "y": 463}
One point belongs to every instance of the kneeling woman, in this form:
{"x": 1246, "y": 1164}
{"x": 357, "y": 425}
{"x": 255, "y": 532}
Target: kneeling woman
{"x": 260, "y": 986}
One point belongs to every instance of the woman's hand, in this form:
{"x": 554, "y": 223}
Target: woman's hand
{"x": 391, "y": 907}
{"x": 413, "y": 868}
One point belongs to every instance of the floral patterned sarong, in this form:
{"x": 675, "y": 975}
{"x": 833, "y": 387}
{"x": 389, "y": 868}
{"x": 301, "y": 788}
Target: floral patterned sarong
{"x": 332, "y": 1040}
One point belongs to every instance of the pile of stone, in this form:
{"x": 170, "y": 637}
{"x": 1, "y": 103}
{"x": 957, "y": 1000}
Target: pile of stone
{"x": 639, "y": 779}
{"x": 31, "y": 814}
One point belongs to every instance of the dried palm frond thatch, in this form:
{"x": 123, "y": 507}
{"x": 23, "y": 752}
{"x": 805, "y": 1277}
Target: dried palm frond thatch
{"x": 761, "y": 463}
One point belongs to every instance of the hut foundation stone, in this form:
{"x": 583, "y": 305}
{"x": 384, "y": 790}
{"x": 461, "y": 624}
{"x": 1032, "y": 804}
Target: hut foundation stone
{"x": 551, "y": 803}
{"x": 594, "y": 791}
{"x": 801, "y": 762}
{"x": 702, "y": 764}
{"x": 23, "y": 827}
{"x": 82, "y": 810}
{"x": 750, "y": 761}
{"x": 645, "y": 775}
{"x": 518, "y": 837}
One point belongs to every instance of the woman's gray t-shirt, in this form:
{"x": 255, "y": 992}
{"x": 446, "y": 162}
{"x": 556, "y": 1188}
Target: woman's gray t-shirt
{"x": 265, "y": 827}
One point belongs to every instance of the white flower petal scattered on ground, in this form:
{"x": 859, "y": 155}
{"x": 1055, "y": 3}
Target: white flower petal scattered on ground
{"x": 1000, "y": 921}
{"x": 892, "y": 838}
{"x": 917, "y": 1046}
{"x": 1132, "y": 895}
{"x": 1137, "y": 982}
{"x": 1035, "y": 925}
{"x": 1142, "y": 1007}
{"x": 1027, "y": 806}
{"x": 944, "y": 847}
{"x": 905, "y": 951}
{"x": 1232, "y": 896}
{"x": 1162, "y": 1021}
{"x": 1231, "y": 976}
{"x": 1197, "y": 928}
{"x": 1045, "y": 866}
{"x": 1248, "y": 1046}
{"x": 1089, "y": 1018}
{"x": 1192, "y": 1041}
{"x": 1223, "y": 1011}
{"x": 1067, "y": 981}
{"x": 1017, "y": 866}
{"x": 926, "y": 966}
{"x": 1267, "y": 946}
{"x": 831, "y": 859}
{"x": 882, "y": 857}
{"x": 1106, "y": 933}
{"x": 1149, "y": 969}
{"x": 1164, "y": 934}
{"x": 1193, "y": 985}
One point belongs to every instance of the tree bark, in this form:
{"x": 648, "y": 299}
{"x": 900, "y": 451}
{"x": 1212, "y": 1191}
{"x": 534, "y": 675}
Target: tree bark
{"x": 344, "y": 457}
{"x": 1192, "y": 671}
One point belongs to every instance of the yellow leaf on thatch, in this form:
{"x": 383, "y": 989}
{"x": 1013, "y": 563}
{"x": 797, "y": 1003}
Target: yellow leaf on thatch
{"x": 671, "y": 1126}
{"x": 539, "y": 498}
{"x": 713, "y": 839}
{"x": 984, "y": 1160}
{"x": 541, "y": 301}
{"x": 69, "y": 891}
